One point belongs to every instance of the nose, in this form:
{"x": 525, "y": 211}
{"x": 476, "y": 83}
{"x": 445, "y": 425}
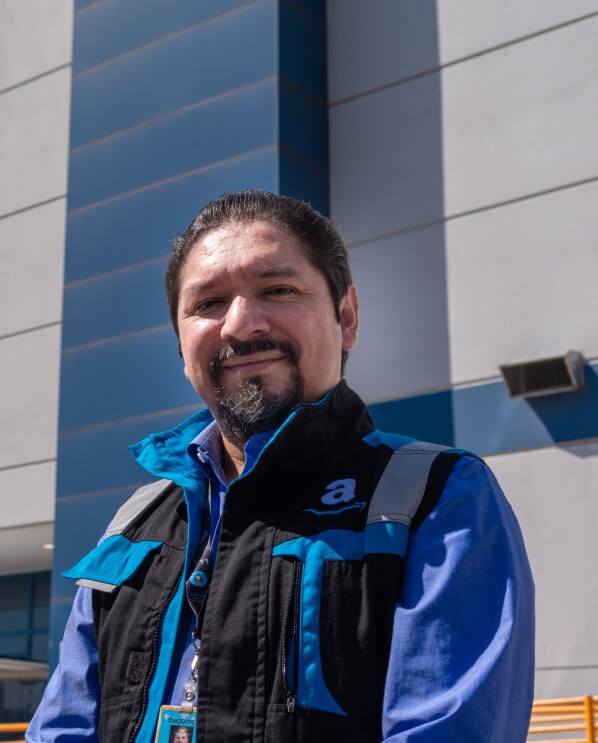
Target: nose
{"x": 245, "y": 319}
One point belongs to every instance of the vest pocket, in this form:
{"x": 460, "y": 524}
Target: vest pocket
{"x": 289, "y": 650}
{"x": 118, "y": 716}
{"x": 113, "y": 562}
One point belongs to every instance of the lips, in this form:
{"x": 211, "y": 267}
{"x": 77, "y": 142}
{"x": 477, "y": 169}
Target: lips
{"x": 253, "y": 361}
{"x": 251, "y": 357}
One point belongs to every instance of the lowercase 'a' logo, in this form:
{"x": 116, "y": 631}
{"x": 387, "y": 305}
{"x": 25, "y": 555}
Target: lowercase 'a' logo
{"x": 337, "y": 494}
{"x": 339, "y": 490}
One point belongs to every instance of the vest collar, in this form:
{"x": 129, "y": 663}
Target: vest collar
{"x": 305, "y": 435}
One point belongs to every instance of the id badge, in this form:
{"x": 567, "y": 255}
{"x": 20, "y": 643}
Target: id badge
{"x": 176, "y": 726}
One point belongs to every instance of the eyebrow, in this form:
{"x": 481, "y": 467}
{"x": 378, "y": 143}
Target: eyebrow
{"x": 284, "y": 271}
{"x": 199, "y": 286}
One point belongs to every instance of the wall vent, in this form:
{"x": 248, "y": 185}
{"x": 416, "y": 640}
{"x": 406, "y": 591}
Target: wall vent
{"x": 546, "y": 376}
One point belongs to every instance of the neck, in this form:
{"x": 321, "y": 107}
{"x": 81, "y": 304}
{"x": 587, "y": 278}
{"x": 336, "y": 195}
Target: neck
{"x": 233, "y": 460}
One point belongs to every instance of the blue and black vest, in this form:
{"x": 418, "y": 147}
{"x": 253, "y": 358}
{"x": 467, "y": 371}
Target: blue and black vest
{"x": 299, "y": 618}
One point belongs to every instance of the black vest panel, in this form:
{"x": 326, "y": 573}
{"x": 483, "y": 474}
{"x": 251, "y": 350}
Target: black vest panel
{"x": 127, "y": 621}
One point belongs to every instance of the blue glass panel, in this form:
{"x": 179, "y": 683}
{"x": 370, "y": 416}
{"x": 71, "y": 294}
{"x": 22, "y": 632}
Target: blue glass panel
{"x": 230, "y": 52}
{"x": 41, "y": 600}
{"x": 229, "y": 126}
{"x": 19, "y": 700}
{"x": 315, "y": 7}
{"x": 83, "y": 455}
{"x": 39, "y": 645}
{"x": 303, "y": 50}
{"x": 304, "y": 125}
{"x": 14, "y": 603}
{"x": 300, "y": 179}
{"x": 81, "y": 4}
{"x": 140, "y": 226}
{"x": 14, "y": 647}
{"x": 115, "y": 304}
{"x": 113, "y": 27}
{"x": 123, "y": 378}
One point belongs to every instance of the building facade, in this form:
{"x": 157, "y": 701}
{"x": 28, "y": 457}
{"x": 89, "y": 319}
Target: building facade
{"x": 453, "y": 144}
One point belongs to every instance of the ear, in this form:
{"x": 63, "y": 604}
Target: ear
{"x": 349, "y": 312}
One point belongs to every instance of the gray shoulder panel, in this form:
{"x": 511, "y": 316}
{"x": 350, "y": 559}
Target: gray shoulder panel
{"x": 401, "y": 487}
{"x": 98, "y": 585}
{"x": 134, "y": 505}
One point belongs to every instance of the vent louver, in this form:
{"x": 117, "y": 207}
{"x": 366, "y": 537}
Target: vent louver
{"x": 546, "y": 376}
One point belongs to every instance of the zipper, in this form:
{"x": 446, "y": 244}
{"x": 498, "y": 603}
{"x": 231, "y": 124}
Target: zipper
{"x": 155, "y": 656}
{"x": 289, "y": 650}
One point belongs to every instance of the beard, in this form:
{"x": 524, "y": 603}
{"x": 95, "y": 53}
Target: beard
{"x": 250, "y": 408}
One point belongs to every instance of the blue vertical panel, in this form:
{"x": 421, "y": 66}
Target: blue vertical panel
{"x": 303, "y": 101}
{"x": 125, "y": 378}
{"x": 110, "y": 28}
{"x": 197, "y": 64}
{"x": 173, "y": 102}
{"x": 208, "y": 133}
{"x": 299, "y": 178}
{"x": 81, "y": 465}
{"x": 426, "y": 417}
{"x": 139, "y": 225}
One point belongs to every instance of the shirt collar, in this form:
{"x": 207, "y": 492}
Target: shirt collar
{"x": 207, "y": 449}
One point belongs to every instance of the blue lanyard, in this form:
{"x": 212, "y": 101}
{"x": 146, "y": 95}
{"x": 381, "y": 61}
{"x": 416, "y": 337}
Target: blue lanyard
{"x": 197, "y": 587}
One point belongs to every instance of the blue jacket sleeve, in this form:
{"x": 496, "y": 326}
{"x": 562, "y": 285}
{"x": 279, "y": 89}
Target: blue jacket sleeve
{"x": 462, "y": 659}
{"x": 69, "y": 709}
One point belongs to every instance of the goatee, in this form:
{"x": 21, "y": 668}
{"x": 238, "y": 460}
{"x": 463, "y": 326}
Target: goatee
{"x": 250, "y": 408}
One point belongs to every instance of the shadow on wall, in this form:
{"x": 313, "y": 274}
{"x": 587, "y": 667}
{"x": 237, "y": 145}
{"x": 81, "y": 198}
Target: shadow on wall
{"x": 571, "y": 416}
{"x": 483, "y": 418}
{"x": 387, "y": 195}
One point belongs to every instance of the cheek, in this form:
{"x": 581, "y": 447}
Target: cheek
{"x": 195, "y": 349}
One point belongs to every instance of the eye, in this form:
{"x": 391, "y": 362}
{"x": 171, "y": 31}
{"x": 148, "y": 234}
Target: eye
{"x": 206, "y": 306}
{"x": 280, "y": 291}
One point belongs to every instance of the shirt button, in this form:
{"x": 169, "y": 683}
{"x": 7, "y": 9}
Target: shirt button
{"x": 199, "y": 579}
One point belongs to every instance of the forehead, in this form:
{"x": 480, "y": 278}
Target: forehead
{"x": 253, "y": 249}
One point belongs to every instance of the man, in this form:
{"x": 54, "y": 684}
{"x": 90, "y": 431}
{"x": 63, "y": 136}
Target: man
{"x": 296, "y": 575}
{"x": 180, "y": 736}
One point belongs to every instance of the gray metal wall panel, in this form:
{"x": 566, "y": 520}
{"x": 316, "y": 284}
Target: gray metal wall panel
{"x": 33, "y": 142}
{"x": 384, "y": 41}
{"x": 31, "y": 265}
{"x": 403, "y": 341}
{"x": 521, "y": 120}
{"x": 553, "y": 492}
{"x": 35, "y": 37}
{"x": 29, "y": 396}
{"x": 521, "y": 282}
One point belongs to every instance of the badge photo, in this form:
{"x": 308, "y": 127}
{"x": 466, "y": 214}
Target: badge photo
{"x": 175, "y": 726}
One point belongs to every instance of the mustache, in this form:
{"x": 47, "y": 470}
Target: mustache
{"x": 247, "y": 348}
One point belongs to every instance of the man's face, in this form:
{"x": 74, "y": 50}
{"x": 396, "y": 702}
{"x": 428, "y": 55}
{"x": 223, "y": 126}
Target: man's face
{"x": 181, "y": 737}
{"x": 250, "y": 284}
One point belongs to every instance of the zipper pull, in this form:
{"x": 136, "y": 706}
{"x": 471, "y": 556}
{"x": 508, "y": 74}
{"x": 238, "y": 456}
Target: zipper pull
{"x": 291, "y": 700}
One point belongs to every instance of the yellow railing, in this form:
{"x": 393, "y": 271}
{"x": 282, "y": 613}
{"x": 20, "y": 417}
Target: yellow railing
{"x": 550, "y": 717}
{"x": 554, "y": 717}
{"x": 14, "y": 727}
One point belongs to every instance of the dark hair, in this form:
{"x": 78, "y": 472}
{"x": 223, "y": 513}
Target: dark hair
{"x": 324, "y": 247}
